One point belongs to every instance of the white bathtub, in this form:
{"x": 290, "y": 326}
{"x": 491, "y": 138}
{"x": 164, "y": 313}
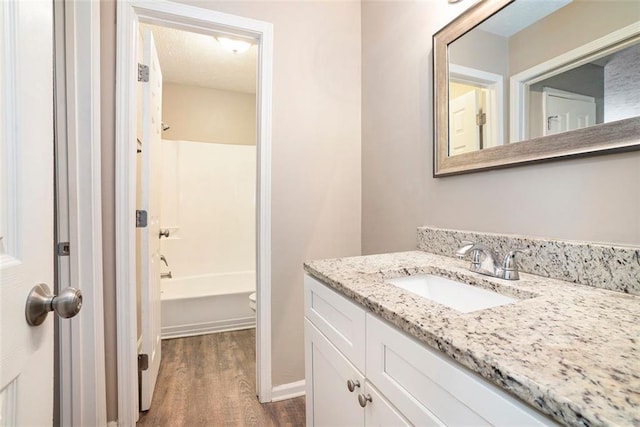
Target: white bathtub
{"x": 200, "y": 305}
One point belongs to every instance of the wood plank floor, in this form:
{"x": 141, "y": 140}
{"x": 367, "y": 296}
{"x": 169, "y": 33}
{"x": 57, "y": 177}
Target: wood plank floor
{"x": 209, "y": 380}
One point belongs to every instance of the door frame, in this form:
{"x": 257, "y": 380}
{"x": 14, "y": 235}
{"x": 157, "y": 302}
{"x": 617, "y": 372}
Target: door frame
{"x": 80, "y": 341}
{"x": 520, "y": 82}
{"x": 160, "y": 12}
{"x": 493, "y": 85}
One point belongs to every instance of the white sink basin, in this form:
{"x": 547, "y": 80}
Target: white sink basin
{"x": 459, "y": 296}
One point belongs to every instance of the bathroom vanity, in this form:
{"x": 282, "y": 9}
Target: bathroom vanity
{"x": 360, "y": 369}
{"x": 378, "y": 354}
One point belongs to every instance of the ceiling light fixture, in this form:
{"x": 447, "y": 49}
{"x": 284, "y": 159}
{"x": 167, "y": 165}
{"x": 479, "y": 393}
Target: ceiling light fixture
{"x": 234, "y": 45}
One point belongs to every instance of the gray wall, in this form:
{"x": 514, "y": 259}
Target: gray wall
{"x": 593, "y": 198}
{"x": 622, "y": 85}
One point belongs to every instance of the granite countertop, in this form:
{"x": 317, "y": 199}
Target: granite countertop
{"x": 571, "y": 351}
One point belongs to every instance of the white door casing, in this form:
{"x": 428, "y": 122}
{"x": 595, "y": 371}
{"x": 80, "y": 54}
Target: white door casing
{"x": 492, "y": 87}
{"x": 151, "y": 186}
{"x": 564, "y": 111}
{"x": 81, "y": 352}
{"x": 26, "y": 255}
{"x": 130, "y": 12}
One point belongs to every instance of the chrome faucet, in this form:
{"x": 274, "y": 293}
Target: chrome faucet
{"x": 484, "y": 260}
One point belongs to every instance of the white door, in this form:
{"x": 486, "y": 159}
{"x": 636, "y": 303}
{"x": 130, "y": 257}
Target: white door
{"x": 151, "y": 186}
{"x": 464, "y": 136}
{"x": 565, "y": 111}
{"x": 26, "y": 209}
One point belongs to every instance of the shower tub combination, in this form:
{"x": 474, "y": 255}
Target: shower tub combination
{"x": 198, "y": 305}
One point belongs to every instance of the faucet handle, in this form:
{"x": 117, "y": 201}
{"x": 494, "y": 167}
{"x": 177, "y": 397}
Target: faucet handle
{"x": 510, "y": 266}
{"x": 463, "y": 250}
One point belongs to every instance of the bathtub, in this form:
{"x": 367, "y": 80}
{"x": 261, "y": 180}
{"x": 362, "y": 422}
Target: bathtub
{"x": 198, "y": 305}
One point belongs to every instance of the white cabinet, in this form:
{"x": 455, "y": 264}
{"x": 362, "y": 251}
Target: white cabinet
{"x": 379, "y": 411}
{"x": 400, "y": 381}
{"x": 340, "y": 320}
{"x": 329, "y": 401}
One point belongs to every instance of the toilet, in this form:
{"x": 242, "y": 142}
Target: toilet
{"x": 252, "y": 301}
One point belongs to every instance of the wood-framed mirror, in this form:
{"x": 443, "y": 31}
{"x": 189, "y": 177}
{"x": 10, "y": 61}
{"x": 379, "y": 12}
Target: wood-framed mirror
{"x": 521, "y": 81}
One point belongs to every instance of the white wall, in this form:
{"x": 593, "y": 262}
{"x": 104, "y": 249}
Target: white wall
{"x": 208, "y": 203}
{"x": 592, "y": 198}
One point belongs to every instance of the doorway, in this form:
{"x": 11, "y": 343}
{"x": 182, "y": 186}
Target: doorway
{"x": 210, "y": 23}
{"x": 476, "y": 109}
{"x": 196, "y": 182}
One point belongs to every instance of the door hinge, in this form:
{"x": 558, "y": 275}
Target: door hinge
{"x": 141, "y": 219}
{"x": 481, "y": 119}
{"x": 143, "y": 73}
{"x": 62, "y": 249}
{"x": 143, "y": 362}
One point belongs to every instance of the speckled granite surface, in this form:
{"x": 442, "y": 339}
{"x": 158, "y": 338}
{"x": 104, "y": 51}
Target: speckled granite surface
{"x": 571, "y": 351}
{"x": 616, "y": 268}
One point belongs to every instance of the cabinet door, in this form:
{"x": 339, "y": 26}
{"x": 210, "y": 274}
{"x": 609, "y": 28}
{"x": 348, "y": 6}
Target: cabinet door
{"x": 379, "y": 412}
{"x": 430, "y": 389}
{"x": 329, "y": 401}
{"x": 339, "y": 319}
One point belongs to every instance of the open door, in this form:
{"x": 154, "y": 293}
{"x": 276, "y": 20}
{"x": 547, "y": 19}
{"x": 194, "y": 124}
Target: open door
{"x": 150, "y": 104}
{"x": 26, "y": 209}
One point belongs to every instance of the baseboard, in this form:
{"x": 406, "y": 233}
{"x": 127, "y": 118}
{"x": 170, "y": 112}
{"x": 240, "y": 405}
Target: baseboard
{"x": 192, "y": 330}
{"x": 287, "y": 391}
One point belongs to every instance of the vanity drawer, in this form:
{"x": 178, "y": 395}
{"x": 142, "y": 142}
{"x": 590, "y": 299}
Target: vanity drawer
{"x": 424, "y": 384}
{"x": 340, "y": 320}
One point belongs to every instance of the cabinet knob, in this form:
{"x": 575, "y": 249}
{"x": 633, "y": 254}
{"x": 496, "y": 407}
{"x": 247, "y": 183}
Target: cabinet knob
{"x": 352, "y": 384}
{"x": 363, "y": 399}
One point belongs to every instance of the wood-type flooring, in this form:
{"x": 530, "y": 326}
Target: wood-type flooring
{"x": 209, "y": 380}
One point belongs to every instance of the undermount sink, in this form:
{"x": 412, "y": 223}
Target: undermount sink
{"x": 459, "y": 296}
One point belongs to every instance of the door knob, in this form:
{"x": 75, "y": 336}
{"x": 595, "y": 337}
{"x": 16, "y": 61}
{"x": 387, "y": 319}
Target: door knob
{"x": 40, "y": 302}
{"x": 164, "y": 233}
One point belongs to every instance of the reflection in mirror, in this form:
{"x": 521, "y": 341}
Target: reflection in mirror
{"x": 543, "y": 67}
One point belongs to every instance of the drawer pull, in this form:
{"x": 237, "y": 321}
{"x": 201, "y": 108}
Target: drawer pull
{"x": 352, "y": 384}
{"x": 363, "y": 399}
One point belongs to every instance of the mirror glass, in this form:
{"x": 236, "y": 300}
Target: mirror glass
{"x": 543, "y": 67}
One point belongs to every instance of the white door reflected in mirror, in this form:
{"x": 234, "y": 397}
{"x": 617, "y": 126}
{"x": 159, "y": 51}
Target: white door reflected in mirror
{"x": 565, "y": 111}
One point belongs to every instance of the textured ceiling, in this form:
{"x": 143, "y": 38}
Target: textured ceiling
{"x": 199, "y": 60}
{"x": 519, "y": 15}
